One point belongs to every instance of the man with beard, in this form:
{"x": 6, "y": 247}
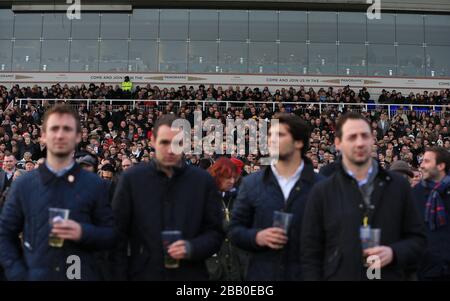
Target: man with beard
{"x": 283, "y": 186}
{"x": 433, "y": 201}
{"x": 359, "y": 197}
{"x": 58, "y": 183}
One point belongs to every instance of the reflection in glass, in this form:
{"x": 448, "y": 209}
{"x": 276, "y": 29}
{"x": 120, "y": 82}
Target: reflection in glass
{"x": 411, "y": 60}
{"x": 323, "y": 59}
{"x": 143, "y": 56}
{"x": 84, "y": 55}
{"x": 352, "y": 59}
{"x": 5, "y": 55}
{"x": 263, "y": 58}
{"x": 437, "y": 61}
{"x": 292, "y": 58}
{"x": 203, "y": 57}
{"x": 172, "y": 56}
{"x": 113, "y": 55}
{"x": 55, "y": 55}
{"x": 381, "y": 60}
{"x": 26, "y": 55}
{"x": 233, "y": 57}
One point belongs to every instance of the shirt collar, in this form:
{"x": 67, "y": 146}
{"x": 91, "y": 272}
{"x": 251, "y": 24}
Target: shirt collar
{"x": 296, "y": 174}
{"x": 61, "y": 172}
{"x": 48, "y": 176}
{"x": 363, "y": 181}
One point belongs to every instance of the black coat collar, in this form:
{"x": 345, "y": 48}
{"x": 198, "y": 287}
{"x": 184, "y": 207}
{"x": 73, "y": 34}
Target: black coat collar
{"x": 177, "y": 170}
{"x": 382, "y": 174}
{"x": 48, "y": 176}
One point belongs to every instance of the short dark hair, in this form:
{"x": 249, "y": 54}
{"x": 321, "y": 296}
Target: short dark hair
{"x": 167, "y": 119}
{"x": 442, "y": 156}
{"x": 61, "y": 109}
{"x": 349, "y": 116}
{"x": 297, "y": 127}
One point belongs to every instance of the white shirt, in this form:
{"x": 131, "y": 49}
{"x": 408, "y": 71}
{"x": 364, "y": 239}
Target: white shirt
{"x": 9, "y": 175}
{"x": 286, "y": 184}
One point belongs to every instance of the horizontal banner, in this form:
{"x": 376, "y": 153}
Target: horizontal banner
{"x": 271, "y": 81}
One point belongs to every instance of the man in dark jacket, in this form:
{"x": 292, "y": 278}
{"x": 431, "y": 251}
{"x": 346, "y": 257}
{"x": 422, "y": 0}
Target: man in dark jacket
{"x": 59, "y": 183}
{"x": 433, "y": 200}
{"x": 166, "y": 194}
{"x": 360, "y": 194}
{"x": 283, "y": 186}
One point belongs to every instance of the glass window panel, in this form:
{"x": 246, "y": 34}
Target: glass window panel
{"x": 437, "y": 29}
{"x": 263, "y": 58}
{"x": 87, "y": 27}
{"x": 233, "y": 57}
{"x": 352, "y": 59}
{"x": 381, "y": 60}
{"x": 26, "y": 55}
{"x": 28, "y": 26}
{"x": 56, "y": 26}
{"x": 5, "y": 55}
{"x": 382, "y": 30}
{"x": 352, "y": 27}
{"x": 6, "y": 23}
{"x": 322, "y": 27}
{"x": 410, "y": 29}
{"x": 322, "y": 59}
{"x": 115, "y": 26}
{"x": 263, "y": 26}
{"x": 143, "y": 56}
{"x": 204, "y": 25}
{"x": 292, "y": 58}
{"x": 84, "y": 55}
{"x": 113, "y": 55}
{"x": 144, "y": 24}
{"x": 174, "y": 24}
{"x": 172, "y": 56}
{"x": 233, "y": 25}
{"x": 293, "y": 26}
{"x": 203, "y": 57}
{"x": 55, "y": 55}
{"x": 437, "y": 61}
{"x": 411, "y": 60}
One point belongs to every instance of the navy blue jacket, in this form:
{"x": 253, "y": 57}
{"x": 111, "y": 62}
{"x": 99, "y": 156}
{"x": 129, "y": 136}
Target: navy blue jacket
{"x": 259, "y": 196}
{"x": 147, "y": 202}
{"x": 436, "y": 261}
{"x": 26, "y": 210}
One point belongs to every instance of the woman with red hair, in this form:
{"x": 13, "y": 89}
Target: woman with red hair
{"x": 229, "y": 263}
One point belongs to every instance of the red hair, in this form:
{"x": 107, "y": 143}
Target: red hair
{"x": 223, "y": 168}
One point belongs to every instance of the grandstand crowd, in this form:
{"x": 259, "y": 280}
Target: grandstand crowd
{"x": 116, "y": 132}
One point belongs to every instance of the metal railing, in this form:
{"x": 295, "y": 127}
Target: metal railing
{"x": 223, "y": 106}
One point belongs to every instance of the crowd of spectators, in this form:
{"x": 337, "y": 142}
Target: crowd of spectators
{"x": 117, "y": 136}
